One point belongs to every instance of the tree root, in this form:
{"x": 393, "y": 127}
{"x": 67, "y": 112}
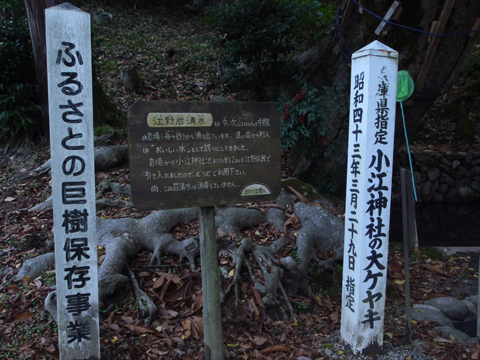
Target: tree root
{"x": 147, "y": 310}
{"x": 271, "y": 271}
{"x": 122, "y": 239}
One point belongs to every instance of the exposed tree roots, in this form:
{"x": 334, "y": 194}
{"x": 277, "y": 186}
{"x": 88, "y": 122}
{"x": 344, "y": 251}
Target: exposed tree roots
{"x": 273, "y": 276}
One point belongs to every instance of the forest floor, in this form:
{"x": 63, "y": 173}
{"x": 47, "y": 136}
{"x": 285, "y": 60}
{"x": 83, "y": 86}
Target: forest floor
{"x": 175, "y": 60}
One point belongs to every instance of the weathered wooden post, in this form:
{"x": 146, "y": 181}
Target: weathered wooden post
{"x": 478, "y": 304}
{"x": 212, "y": 316}
{"x": 73, "y": 180}
{"x": 367, "y": 213}
{"x": 409, "y": 234}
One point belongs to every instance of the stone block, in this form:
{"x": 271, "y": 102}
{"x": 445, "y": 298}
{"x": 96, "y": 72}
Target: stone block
{"x": 455, "y": 155}
{"x": 433, "y": 173}
{"x": 423, "y": 312}
{"x": 426, "y": 188}
{"x": 474, "y": 171}
{"x": 442, "y": 188}
{"x": 437, "y": 197}
{"x": 454, "y": 309}
{"x": 424, "y": 158}
{"x": 455, "y": 164}
{"x": 451, "y": 196}
{"x": 449, "y": 180}
{"x": 445, "y": 162}
{"x": 465, "y": 192}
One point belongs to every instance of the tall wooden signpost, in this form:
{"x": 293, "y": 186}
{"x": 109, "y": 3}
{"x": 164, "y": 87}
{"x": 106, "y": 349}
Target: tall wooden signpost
{"x": 367, "y": 213}
{"x": 192, "y": 154}
{"x": 73, "y": 182}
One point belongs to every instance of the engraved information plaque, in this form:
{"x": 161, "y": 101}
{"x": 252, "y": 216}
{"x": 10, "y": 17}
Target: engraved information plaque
{"x": 196, "y": 154}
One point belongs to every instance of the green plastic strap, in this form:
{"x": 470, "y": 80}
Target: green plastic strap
{"x": 404, "y": 86}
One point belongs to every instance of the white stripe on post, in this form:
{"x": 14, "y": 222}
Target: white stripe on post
{"x": 369, "y": 178}
{"x": 73, "y": 180}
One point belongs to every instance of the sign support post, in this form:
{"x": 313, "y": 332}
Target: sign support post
{"x": 203, "y": 154}
{"x": 369, "y": 179}
{"x": 212, "y": 316}
{"x": 73, "y": 180}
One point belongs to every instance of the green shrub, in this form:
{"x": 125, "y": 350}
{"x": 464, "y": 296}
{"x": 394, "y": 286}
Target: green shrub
{"x": 11, "y": 8}
{"x": 315, "y": 19}
{"x": 16, "y": 55}
{"x": 471, "y": 67}
{"x": 256, "y": 37}
{"x": 304, "y": 128}
{"x": 19, "y": 110}
{"x": 19, "y": 103}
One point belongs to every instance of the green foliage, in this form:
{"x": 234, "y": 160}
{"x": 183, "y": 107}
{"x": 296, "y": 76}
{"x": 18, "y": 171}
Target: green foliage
{"x": 19, "y": 105}
{"x": 471, "y": 67}
{"x": 326, "y": 282}
{"x": 256, "y": 37}
{"x": 11, "y": 8}
{"x": 187, "y": 5}
{"x": 306, "y": 119}
{"x": 315, "y": 19}
{"x": 19, "y": 109}
{"x": 303, "y": 306}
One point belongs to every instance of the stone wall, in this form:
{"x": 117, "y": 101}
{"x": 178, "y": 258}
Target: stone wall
{"x": 452, "y": 177}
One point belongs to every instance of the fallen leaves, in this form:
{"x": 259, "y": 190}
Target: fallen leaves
{"x": 274, "y": 348}
{"x": 434, "y": 269}
{"x": 193, "y": 327}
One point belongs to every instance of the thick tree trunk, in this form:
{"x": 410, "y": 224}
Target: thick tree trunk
{"x": 330, "y": 61}
{"x": 433, "y": 62}
{"x": 36, "y": 23}
{"x": 105, "y": 112}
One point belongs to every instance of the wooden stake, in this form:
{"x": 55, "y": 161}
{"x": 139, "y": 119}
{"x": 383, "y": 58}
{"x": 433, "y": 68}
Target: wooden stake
{"x": 408, "y": 216}
{"x": 212, "y": 317}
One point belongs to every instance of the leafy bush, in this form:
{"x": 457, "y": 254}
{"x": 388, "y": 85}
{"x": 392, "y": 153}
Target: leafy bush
{"x": 256, "y": 37}
{"x": 19, "y": 109}
{"x": 11, "y": 8}
{"x": 188, "y": 5}
{"x": 471, "y": 67}
{"x": 19, "y": 105}
{"x": 305, "y": 130}
{"x": 315, "y": 19}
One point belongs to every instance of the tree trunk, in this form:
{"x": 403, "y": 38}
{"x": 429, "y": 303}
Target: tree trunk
{"x": 330, "y": 61}
{"x": 432, "y": 62}
{"x": 105, "y": 112}
{"x": 36, "y": 23}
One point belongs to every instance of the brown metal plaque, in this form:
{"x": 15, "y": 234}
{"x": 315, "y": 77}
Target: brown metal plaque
{"x": 195, "y": 154}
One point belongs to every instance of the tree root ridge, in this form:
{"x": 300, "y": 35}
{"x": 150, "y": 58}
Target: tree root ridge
{"x": 278, "y": 277}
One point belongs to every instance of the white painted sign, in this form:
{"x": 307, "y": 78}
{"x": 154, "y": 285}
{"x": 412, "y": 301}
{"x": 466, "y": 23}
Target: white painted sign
{"x": 73, "y": 180}
{"x": 369, "y": 179}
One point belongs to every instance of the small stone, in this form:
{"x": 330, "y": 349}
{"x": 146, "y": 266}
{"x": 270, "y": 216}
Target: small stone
{"x": 449, "y": 180}
{"x": 475, "y": 171}
{"x": 437, "y": 197}
{"x": 465, "y": 192}
{"x": 469, "y": 158}
{"x": 219, "y": 98}
{"x": 433, "y": 173}
{"x": 426, "y": 187}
